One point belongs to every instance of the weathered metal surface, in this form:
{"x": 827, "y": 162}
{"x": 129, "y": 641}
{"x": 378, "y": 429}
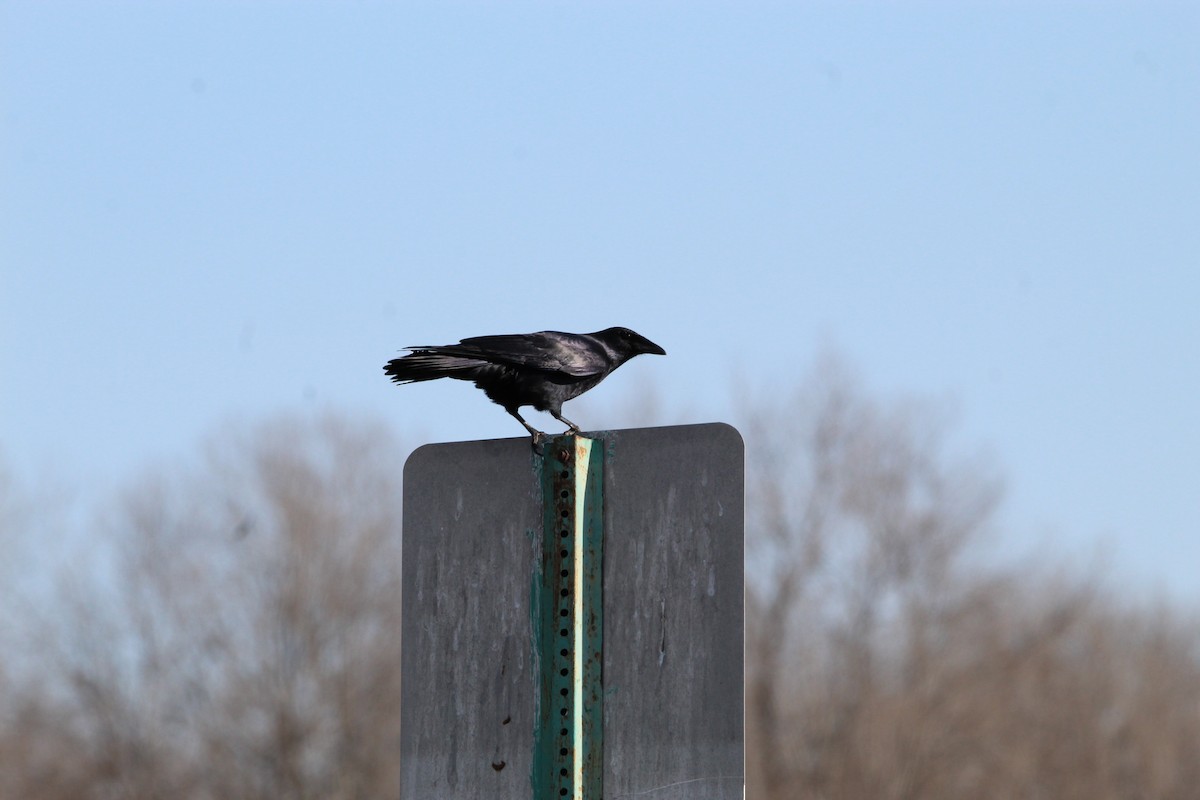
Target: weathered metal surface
{"x": 472, "y": 541}
{"x": 672, "y": 624}
{"x": 673, "y": 613}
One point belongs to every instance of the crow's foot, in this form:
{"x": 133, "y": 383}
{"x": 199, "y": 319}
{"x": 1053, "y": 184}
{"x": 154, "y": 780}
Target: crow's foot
{"x": 571, "y": 426}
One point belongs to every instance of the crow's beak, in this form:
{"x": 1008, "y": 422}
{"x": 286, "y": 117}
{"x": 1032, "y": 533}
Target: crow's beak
{"x": 648, "y": 346}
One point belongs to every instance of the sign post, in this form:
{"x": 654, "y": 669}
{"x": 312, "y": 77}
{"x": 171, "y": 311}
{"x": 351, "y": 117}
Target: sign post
{"x": 568, "y": 623}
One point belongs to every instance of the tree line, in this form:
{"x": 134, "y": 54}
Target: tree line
{"x": 235, "y": 632}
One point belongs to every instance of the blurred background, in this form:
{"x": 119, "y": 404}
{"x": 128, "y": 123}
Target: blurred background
{"x": 937, "y": 262}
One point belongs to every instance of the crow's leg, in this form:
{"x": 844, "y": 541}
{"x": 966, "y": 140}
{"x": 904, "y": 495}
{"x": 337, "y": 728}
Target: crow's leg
{"x": 558, "y": 416}
{"x": 537, "y": 435}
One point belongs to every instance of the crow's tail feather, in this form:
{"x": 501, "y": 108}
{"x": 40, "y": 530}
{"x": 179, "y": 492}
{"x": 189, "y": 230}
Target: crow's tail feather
{"x": 428, "y": 365}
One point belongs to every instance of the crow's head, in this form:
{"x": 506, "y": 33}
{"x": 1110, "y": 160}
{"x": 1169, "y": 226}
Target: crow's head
{"x": 628, "y": 343}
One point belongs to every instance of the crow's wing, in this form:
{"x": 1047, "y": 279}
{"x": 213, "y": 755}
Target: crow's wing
{"x": 549, "y": 351}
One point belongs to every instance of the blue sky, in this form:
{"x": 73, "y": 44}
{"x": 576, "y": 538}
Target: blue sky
{"x": 220, "y": 211}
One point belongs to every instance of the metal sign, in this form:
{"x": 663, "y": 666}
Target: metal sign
{"x": 572, "y": 621}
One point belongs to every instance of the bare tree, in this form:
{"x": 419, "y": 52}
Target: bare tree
{"x": 243, "y": 639}
{"x": 857, "y": 520}
{"x": 883, "y": 662}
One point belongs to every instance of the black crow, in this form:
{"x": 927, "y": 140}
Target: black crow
{"x": 543, "y": 370}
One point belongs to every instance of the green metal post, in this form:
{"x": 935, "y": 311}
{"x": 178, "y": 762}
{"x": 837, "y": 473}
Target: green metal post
{"x": 568, "y": 733}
